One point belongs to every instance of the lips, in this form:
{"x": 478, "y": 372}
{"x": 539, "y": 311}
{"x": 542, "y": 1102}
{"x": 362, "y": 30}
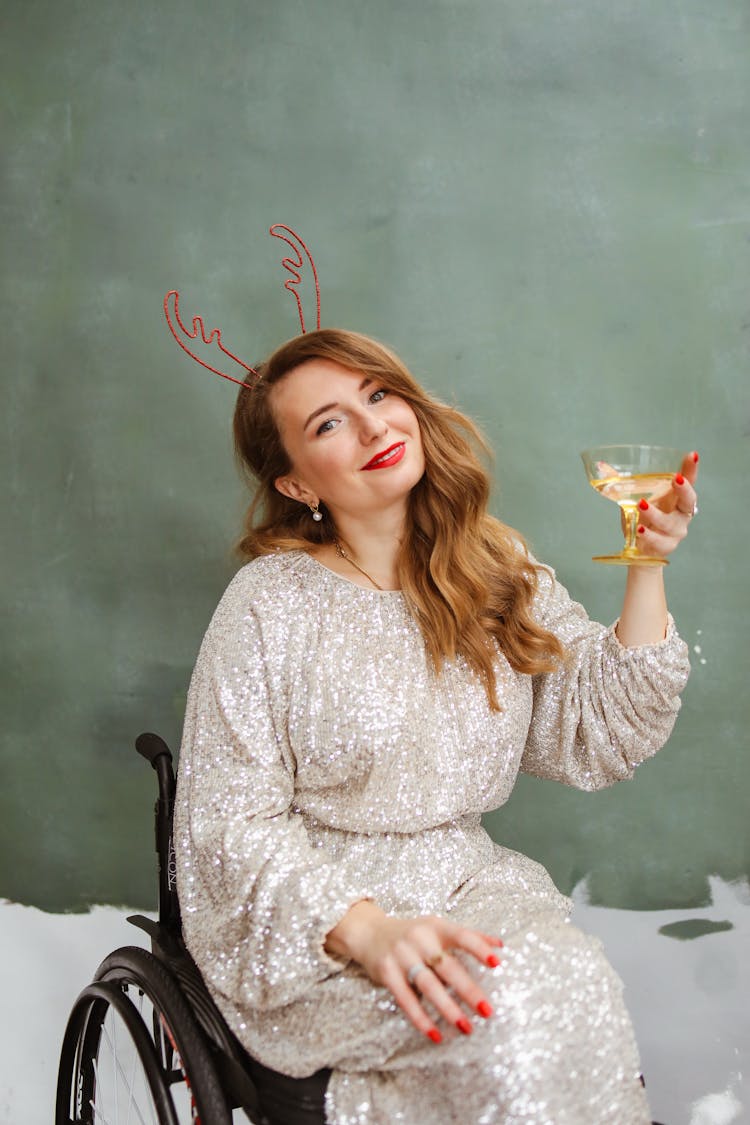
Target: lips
{"x": 390, "y": 456}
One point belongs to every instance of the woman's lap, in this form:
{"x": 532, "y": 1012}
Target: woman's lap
{"x": 558, "y": 1050}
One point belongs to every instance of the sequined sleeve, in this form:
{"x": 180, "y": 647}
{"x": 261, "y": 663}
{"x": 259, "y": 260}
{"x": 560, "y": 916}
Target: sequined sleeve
{"x": 608, "y": 707}
{"x": 257, "y": 899}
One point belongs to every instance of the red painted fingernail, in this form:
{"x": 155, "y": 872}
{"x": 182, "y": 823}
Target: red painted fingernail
{"x": 484, "y": 1009}
{"x": 696, "y": 458}
{"x": 434, "y": 1035}
{"x": 493, "y": 961}
{"x": 464, "y": 1026}
{"x": 643, "y": 505}
{"x": 679, "y": 479}
{"x": 641, "y": 529}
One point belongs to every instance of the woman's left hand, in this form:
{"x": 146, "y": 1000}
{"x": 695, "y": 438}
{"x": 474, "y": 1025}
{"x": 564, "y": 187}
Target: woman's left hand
{"x": 664, "y": 523}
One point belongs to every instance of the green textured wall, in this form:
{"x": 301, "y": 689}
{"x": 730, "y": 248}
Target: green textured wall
{"x": 542, "y": 205}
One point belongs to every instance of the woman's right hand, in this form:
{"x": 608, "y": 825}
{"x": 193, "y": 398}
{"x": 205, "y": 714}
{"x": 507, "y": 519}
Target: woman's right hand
{"x": 412, "y": 957}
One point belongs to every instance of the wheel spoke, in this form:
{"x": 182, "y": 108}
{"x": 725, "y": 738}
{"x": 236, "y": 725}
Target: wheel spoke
{"x": 135, "y": 1059}
{"x": 121, "y": 1072}
{"x": 115, "y": 1058}
{"x": 98, "y": 1115}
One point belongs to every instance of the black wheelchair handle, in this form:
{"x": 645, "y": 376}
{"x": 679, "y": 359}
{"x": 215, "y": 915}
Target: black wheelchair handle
{"x": 151, "y": 746}
{"x": 155, "y": 750}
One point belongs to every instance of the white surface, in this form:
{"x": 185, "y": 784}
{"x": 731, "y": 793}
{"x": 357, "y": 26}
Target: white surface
{"x": 690, "y": 1001}
{"x": 47, "y": 960}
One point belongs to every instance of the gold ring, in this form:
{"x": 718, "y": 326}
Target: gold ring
{"x": 433, "y": 961}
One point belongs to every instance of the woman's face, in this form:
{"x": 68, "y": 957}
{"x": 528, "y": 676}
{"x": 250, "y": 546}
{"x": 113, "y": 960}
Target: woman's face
{"x": 353, "y": 445}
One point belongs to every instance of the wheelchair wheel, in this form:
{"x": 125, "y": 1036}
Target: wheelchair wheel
{"x": 133, "y": 1052}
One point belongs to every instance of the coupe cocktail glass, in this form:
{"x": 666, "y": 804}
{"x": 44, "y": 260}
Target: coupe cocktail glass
{"x": 628, "y": 474}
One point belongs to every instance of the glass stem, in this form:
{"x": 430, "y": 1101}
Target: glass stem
{"x": 631, "y": 531}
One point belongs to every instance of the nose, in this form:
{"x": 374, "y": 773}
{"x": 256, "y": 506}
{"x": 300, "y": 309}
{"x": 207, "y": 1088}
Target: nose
{"x": 372, "y": 427}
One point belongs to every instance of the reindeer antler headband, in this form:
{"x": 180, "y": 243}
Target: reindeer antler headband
{"x": 292, "y": 265}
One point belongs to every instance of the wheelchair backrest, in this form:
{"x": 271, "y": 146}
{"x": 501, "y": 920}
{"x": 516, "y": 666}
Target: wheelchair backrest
{"x": 155, "y": 750}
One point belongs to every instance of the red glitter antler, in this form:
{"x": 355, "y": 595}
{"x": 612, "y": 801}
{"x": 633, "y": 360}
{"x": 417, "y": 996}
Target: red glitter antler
{"x": 181, "y": 333}
{"x": 213, "y": 336}
{"x": 293, "y": 265}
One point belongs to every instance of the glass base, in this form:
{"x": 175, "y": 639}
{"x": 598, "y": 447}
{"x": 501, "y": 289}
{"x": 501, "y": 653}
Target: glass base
{"x": 630, "y": 560}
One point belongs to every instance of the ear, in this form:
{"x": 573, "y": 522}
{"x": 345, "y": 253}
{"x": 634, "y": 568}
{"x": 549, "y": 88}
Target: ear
{"x": 289, "y": 486}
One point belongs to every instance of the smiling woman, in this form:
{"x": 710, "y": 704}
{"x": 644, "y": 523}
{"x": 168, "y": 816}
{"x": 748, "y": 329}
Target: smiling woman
{"x": 373, "y": 680}
{"x": 418, "y": 525}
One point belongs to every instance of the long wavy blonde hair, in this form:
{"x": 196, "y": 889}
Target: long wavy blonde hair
{"x": 466, "y": 577}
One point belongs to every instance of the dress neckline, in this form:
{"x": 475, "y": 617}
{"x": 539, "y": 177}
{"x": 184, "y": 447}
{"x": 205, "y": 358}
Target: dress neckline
{"x": 348, "y": 581}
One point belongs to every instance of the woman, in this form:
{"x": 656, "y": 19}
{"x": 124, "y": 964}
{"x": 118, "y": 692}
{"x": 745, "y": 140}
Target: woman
{"x": 370, "y": 684}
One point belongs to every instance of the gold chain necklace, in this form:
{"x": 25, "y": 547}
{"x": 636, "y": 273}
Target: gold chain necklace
{"x": 343, "y": 555}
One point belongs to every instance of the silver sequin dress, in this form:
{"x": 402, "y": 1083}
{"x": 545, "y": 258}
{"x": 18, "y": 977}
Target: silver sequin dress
{"x": 323, "y": 762}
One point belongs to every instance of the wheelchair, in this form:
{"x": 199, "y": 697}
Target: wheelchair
{"x": 145, "y": 1042}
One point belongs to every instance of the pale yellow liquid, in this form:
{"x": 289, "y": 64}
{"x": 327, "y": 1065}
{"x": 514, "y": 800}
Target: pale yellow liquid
{"x": 627, "y": 491}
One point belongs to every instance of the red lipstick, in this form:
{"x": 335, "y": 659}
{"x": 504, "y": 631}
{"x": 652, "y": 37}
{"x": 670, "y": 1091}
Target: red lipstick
{"x": 390, "y": 456}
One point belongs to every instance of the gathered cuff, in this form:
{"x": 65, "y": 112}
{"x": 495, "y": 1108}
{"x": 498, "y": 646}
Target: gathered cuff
{"x": 664, "y": 663}
{"x": 670, "y": 636}
{"x": 336, "y": 909}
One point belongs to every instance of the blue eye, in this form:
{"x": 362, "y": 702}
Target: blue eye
{"x": 331, "y": 424}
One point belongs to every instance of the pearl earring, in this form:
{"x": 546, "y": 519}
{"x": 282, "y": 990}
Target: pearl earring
{"x": 316, "y": 515}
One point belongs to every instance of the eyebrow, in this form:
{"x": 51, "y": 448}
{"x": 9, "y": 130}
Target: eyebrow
{"x": 332, "y": 405}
